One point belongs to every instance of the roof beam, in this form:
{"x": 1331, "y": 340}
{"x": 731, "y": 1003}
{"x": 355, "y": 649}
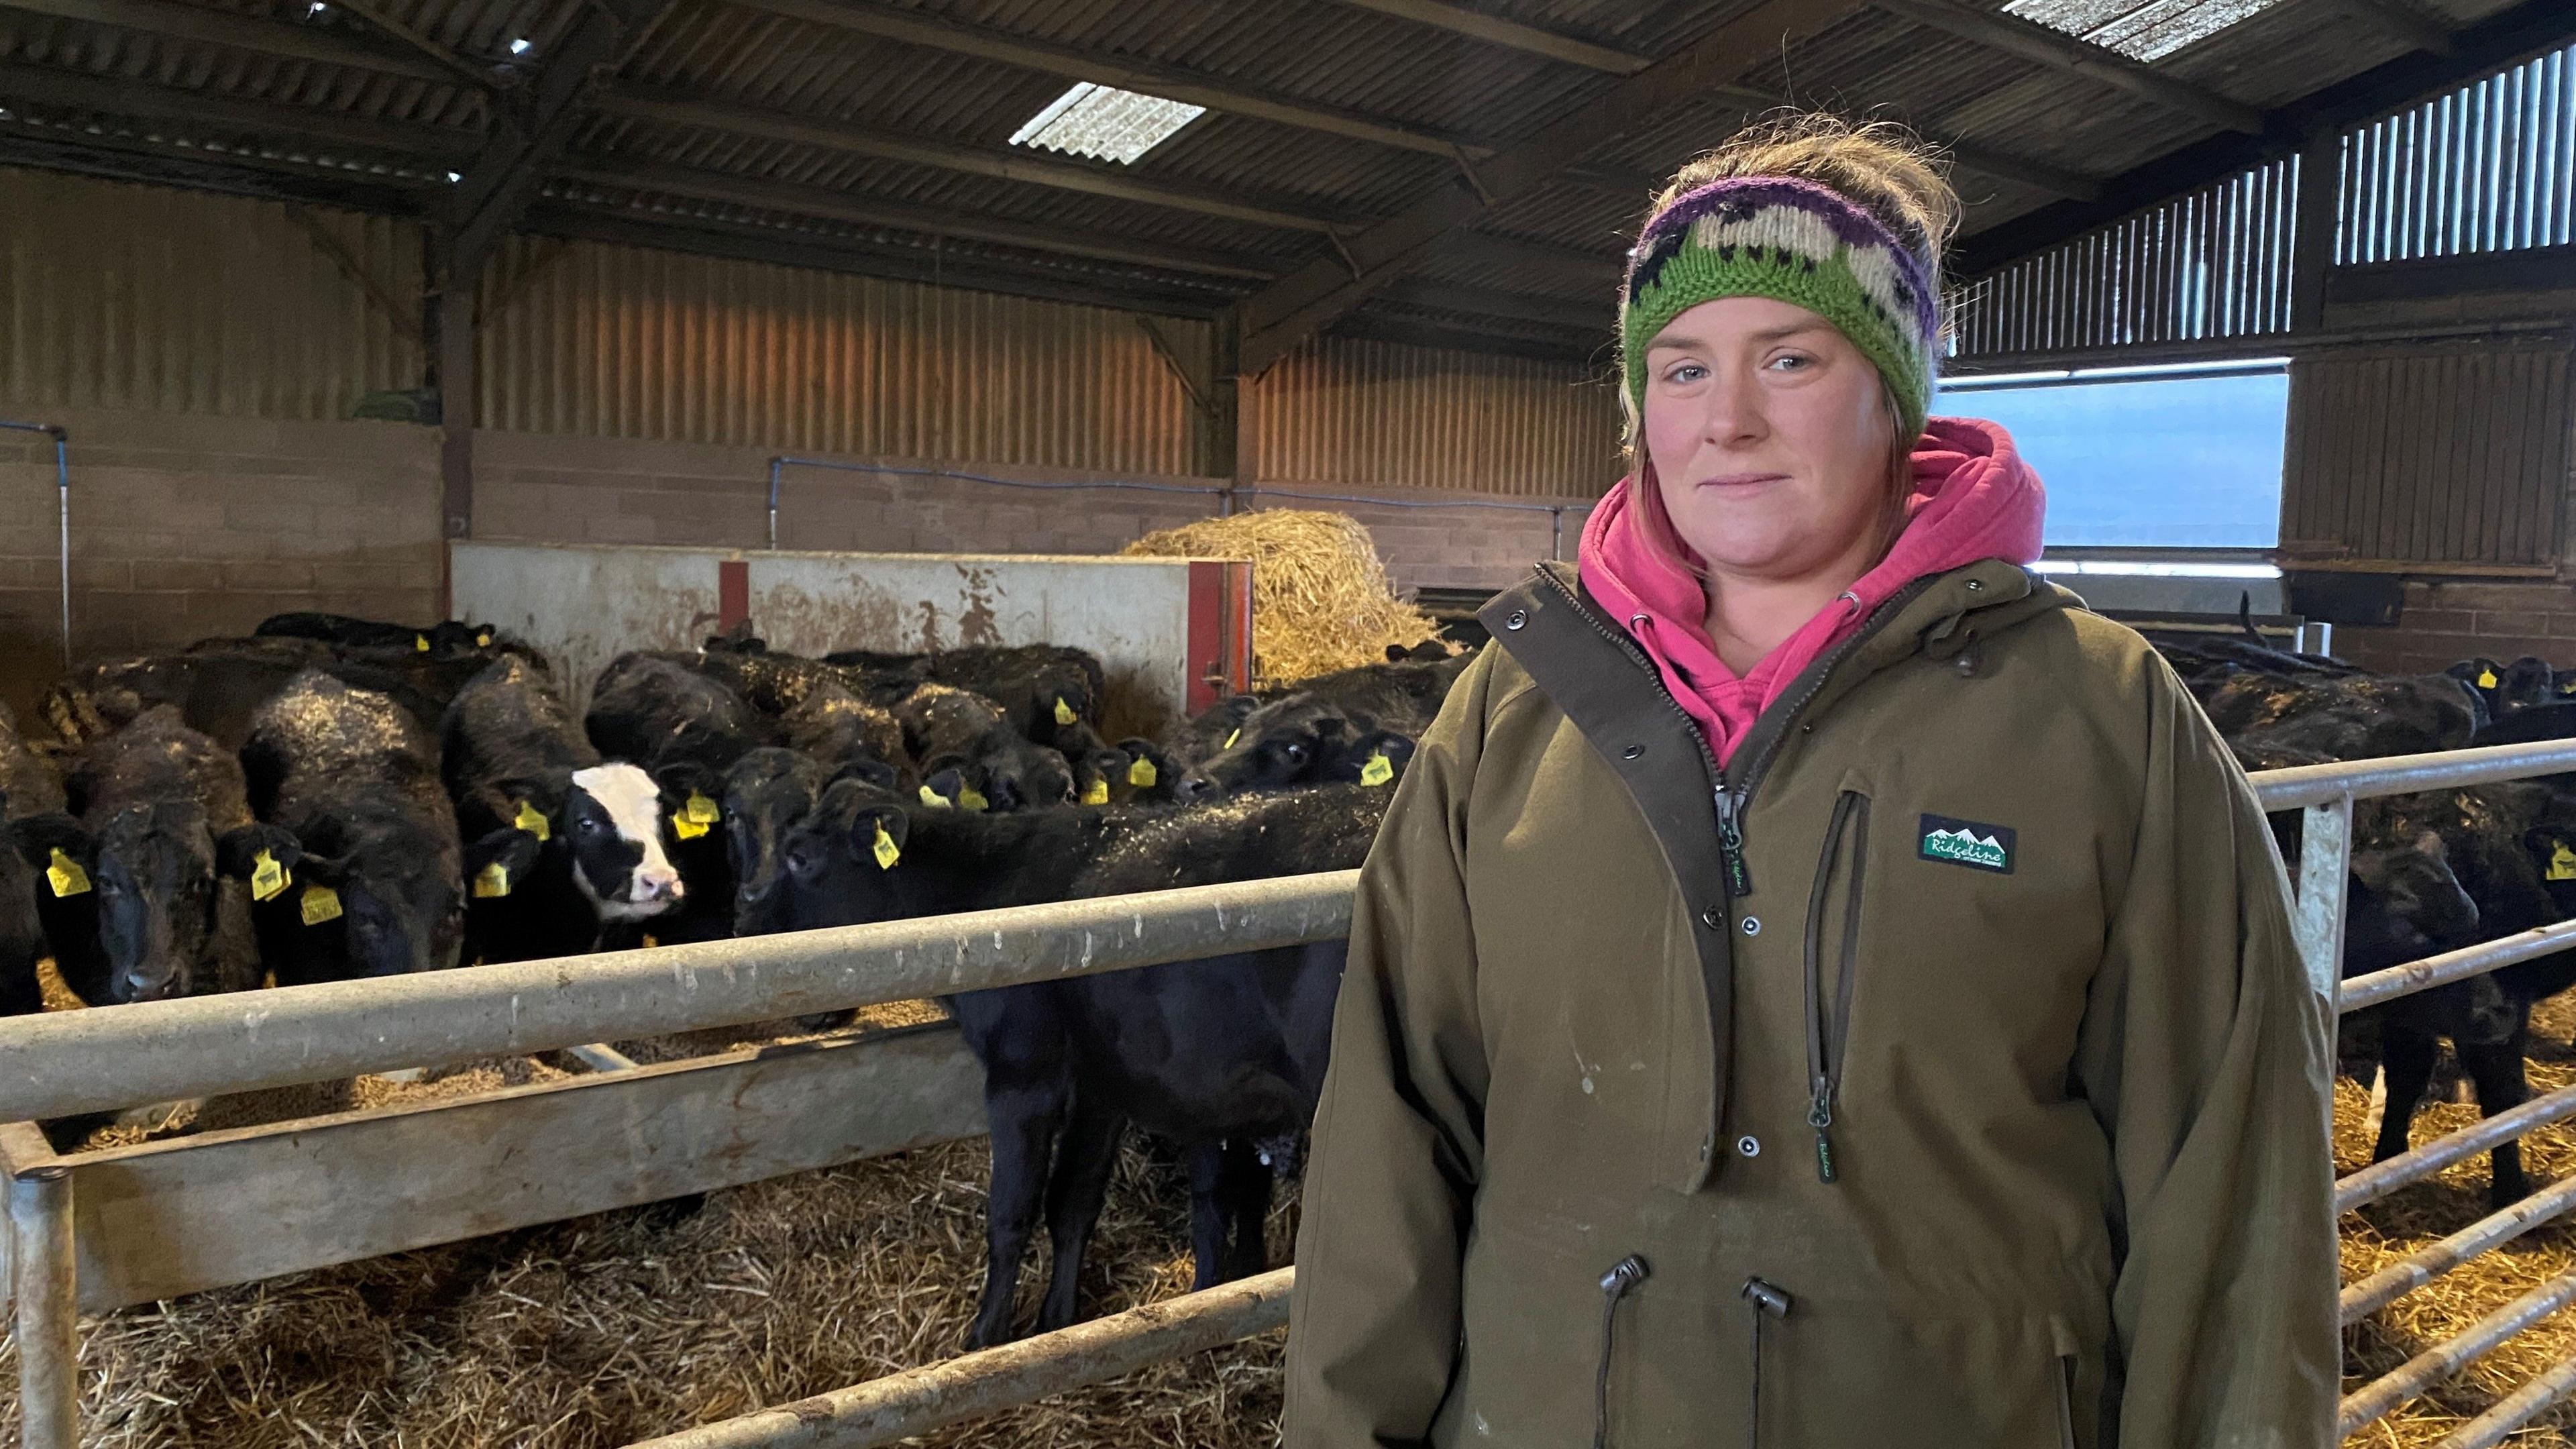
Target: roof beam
{"x": 1511, "y": 34}
{"x": 1406, "y": 332}
{"x": 1293, "y": 308}
{"x": 120, "y": 96}
{"x": 183, "y": 21}
{"x": 2506, "y": 38}
{"x": 831, "y": 205}
{"x": 1589, "y": 268}
{"x": 500, "y": 183}
{"x": 2055, "y": 49}
{"x": 1214, "y": 92}
{"x": 119, "y": 159}
{"x": 2404, "y": 21}
{"x": 857, "y": 140}
{"x": 1968, "y": 155}
{"x": 469, "y": 72}
{"x": 1574, "y": 317}
{"x": 707, "y": 236}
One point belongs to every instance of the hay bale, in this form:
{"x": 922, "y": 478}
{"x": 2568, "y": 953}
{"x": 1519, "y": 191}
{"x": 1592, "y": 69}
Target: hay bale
{"x": 1320, "y": 596}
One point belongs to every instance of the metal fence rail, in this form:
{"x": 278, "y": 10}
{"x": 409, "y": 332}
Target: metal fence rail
{"x": 77, "y": 1062}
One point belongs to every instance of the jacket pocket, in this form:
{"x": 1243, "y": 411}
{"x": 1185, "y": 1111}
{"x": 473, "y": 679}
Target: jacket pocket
{"x": 1829, "y": 1022}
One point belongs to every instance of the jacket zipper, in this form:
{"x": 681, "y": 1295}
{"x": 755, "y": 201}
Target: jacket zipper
{"x": 1736, "y": 800}
{"x": 1824, "y": 1061}
{"x": 1623, "y": 1276}
{"x": 1768, "y": 1300}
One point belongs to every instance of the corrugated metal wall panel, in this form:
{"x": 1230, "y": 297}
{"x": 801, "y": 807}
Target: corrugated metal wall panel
{"x": 2449, "y": 455}
{"x": 124, "y": 296}
{"x": 1353, "y": 411}
{"x": 636, "y": 343}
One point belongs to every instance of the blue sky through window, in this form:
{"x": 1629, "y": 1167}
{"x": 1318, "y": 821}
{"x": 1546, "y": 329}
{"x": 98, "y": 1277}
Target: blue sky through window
{"x": 2147, "y": 462}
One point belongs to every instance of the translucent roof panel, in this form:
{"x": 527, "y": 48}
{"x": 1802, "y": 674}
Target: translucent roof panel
{"x": 2140, "y": 29}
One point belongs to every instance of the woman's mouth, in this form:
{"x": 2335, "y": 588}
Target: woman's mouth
{"x": 1733, "y": 481}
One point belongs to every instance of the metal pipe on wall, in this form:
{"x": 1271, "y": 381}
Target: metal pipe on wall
{"x": 62, "y": 512}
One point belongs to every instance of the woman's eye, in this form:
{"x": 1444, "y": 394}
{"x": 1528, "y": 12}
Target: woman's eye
{"x": 1791, "y": 362}
{"x": 1685, "y": 373}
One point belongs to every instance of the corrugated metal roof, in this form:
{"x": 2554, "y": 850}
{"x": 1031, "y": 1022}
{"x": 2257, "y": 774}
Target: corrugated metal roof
{"x": 291, "y": 71}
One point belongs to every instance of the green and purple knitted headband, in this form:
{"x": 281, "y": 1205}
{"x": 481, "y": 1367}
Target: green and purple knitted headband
{"x": 1793, "y": 241}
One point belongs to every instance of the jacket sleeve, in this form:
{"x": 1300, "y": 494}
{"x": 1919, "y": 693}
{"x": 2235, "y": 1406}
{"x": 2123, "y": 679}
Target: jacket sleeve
{"x": 2206, "y": 1056}
{"x": 1398, "y": 1147}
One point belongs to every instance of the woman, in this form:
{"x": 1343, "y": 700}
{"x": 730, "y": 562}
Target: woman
{"x": 1816, "y": 985}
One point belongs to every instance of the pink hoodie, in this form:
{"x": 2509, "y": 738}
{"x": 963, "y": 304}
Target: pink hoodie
{"x": 1974, "y": 498}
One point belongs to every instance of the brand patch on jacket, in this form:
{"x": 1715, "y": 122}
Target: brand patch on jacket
{"x": 1968, "y": 843}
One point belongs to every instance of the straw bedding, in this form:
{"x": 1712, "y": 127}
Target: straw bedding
{"x": 607, "y": 1329}
{"x": 1320, "y": 596}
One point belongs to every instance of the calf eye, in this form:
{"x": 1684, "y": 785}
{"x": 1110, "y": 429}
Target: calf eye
{"x": 589, "y": 826}
{"x": 1296, "y": 754}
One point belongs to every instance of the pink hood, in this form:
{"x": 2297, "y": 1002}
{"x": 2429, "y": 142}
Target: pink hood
{"x": 1974, "y": 498}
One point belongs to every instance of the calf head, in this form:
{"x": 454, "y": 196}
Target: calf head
{"x": 767, "y": 794}
{"x": 1151, "y": 774}
{"x": 1012, "y": 774}
{"x": 373, "y": 891}
{"x": 612, "y": 825}
{"x": 845, "y": 862}
{"x": 2410, "y": 883}
{"x": 154, "y": 871}
{"x": 1298, "y": 740}
{"x": 2523, "y": 683}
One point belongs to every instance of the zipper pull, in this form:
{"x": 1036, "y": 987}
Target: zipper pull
{"x": 1730, "y": 846}
{"x": 1820, "y": 1115}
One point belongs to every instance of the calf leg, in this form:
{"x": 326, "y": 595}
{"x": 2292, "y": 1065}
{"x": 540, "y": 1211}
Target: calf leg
{"x": 1207, "y": 1215}
{"x": 1083, "y": 1163}
{"x": 1246, "y": 1194}
{"x": 2498, "y": 1070}
{"x": 1024, "y": 1119}
{"x": 2406, "y": 1056}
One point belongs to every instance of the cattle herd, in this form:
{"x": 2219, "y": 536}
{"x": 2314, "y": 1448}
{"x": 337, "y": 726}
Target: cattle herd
{"x": 2430, "y": 872}
{"x": 334, "y": 798}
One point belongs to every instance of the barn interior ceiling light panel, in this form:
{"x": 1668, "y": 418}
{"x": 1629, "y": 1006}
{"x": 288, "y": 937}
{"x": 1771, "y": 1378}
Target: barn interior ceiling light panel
{"x": 1105, "y": 122}
{"x": 2139, "y": 29}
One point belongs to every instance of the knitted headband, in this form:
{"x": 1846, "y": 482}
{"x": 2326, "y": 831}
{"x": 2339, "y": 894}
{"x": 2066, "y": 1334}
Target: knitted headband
{"x": 1793, "y": 241}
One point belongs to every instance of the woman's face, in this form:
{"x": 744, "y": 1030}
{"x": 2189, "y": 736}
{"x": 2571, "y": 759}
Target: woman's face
{"x": 1770, "y": 437}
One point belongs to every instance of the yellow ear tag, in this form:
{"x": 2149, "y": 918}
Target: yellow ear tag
{"x": 970, "y": 798}
{"x": 694, "y": 817}
{"x": 533, "y": 820}
{"x": 1378, "y": 770}
{"x": 1064, "y": 714}
{"x": 483, "y": 640}
{"x": 66, "y": 875}
{"x": 651, "y": 941}
{"x": 2562, "y": 862}
{"x": 1231, "y": 738}
{"x": 321, "y": 903}
{"x": 420, "y": 643}
{"x": 2486, "y": 679}
{"x": 1142, "y": 774}
{"x": 885, "y": 850}
{"x": 1096, "y": 793}
{"x": 492, "y": 880}
{"x": 934, "y": 799}
{"x": 268, "y": 879}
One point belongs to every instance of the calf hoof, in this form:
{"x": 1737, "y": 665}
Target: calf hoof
{"x": 2505, "y": 1192}
{"x": 983, "y": 1335}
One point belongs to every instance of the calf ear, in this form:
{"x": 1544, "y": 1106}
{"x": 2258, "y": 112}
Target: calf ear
{"x": 864, "y": 828}
{"x": 1397, "y": 654}
{"x": 946, "y": 782}
{"x": 237, "y": 852}
{"x": 1240, "y": 707}
{"x": 513, "y": 849}
{"x": 37, "y": 837}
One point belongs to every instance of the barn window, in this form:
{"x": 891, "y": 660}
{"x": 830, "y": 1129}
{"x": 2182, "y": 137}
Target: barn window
{"x": 2147, "y": 457}
{"x": 1105, "y": 122}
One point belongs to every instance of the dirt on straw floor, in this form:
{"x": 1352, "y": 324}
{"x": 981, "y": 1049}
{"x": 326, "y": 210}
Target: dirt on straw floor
{"x": 612, "y": 1328}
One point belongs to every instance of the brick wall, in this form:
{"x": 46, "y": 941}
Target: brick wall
{"x": 184, "y": 526}
{"x": 2444, "y": 622}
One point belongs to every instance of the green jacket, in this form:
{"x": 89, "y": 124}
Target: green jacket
{"x": 1939, "y": 1073}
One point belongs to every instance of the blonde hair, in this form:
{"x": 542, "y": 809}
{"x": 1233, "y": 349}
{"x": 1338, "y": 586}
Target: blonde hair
{"x": 1879, "y": 166}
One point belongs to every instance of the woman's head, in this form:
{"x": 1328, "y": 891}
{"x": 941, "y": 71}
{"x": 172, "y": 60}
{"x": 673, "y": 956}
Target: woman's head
{"x": 1777, "y": 333}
